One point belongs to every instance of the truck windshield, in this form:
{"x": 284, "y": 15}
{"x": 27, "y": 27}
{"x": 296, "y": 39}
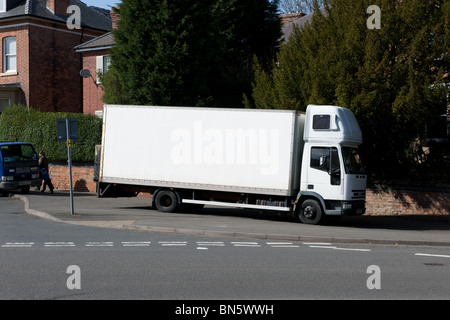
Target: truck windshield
{"x": 352, "y": 161}
{"x": 17, "y": 153}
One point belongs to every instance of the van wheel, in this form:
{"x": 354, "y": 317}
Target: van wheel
{"x": 310, "y": 212}
{"x": 166, "y": 201}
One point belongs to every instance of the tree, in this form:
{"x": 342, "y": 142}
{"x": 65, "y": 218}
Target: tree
{"x": 186, "y": 52}
{"x": 164, "y": 51}
{"x": 392, "y": 78}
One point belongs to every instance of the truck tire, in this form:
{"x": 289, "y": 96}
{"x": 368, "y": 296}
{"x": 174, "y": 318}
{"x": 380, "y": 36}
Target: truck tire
{"x": 166, "y": 201}
{"x": 310, "y": 212}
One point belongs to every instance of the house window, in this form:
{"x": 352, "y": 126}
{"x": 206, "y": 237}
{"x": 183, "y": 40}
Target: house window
{"x": 9, "y": 54}
{"x": 103, "y": 63}
{"x": 2, "y": 5}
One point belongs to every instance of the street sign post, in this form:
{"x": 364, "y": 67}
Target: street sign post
{"x": 67, "y": 130}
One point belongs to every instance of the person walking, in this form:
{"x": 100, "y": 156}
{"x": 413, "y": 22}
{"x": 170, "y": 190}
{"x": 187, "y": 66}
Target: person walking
{"x": 47, "y": 180}
{"x": 43, "y": 164}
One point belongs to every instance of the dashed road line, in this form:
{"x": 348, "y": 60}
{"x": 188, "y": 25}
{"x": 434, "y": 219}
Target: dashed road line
{"x": 201, "y": 245}
{"x": 173, "y": 243}
{"x": 18, "y": 245}
{"x": 136, "y": 243}
{"x": 282, "y": 245}
{"x": 317, "y": 243}
{"x": 245, "y": 244}
{"x": 211, "y": 243}
{"x": 59, "y": 244}
{"x": 432, "y": 255}
{"x": 99, "y": 244}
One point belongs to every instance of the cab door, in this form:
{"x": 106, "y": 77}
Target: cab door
{"x": 324, "y": 174}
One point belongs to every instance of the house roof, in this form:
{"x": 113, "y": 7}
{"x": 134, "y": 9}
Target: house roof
{"x": 91, "y": 17}
{"x": 299, "y": 23}
{"x": 102, "y": 42}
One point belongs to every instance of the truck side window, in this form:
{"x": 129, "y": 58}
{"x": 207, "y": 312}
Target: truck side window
{"x": 335, "y": 168}
{"x": 320, "y": 158}
{"x": 327, "y": 159}
{"x": 321, "y": 122}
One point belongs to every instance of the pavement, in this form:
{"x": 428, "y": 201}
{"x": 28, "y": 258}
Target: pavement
{"x": 136, "y": 214}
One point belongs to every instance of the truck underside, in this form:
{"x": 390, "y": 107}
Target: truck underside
{"x": 307, "y": 208}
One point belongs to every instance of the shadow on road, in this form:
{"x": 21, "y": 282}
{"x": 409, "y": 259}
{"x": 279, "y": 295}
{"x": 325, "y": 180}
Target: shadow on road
{"x": 407, "y": 222}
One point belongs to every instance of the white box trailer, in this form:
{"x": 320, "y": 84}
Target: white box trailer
{"x": 188, "y": 157}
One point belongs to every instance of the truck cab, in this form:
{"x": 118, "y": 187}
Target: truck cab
{"x": 333, "y": 180}
{"x": 19, "y": 167}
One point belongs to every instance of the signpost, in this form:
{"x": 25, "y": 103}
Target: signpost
{"x": 67, "y": 130}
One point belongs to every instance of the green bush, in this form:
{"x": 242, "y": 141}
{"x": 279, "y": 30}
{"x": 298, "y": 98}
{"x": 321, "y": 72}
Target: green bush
{"x": 20, "y": 123}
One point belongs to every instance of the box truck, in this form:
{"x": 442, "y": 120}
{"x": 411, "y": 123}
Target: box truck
{"x": 19, "y": 167}
{"x": 303, "y": 163}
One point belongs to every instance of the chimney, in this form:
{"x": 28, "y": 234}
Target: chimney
{"x": 114, "y": 14}
{"x": 58, "y": 7}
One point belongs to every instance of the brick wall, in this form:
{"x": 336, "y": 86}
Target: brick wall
{"x": 92, "y": 92}
{"x": 55, "y": 69}
{"x": 82, "y": 177}
{"x": 381, "y": 200}
{"x": 385, "y": 200}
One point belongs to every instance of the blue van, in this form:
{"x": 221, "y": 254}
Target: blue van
{"x": 19, "y": 167}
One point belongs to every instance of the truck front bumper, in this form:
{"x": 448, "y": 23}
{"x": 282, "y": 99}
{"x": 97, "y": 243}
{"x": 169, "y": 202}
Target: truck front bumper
{"x": 353, "y": 208}
{"x": 345, "y": 208}
{"x": 13, "y": 185}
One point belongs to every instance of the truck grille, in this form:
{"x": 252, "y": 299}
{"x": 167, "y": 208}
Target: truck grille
{"x": 23, "y": 170}
{"x": 358, "y": 194}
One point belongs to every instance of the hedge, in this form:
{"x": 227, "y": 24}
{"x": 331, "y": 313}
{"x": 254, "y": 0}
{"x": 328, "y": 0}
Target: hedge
{"x": 20, "y": 123}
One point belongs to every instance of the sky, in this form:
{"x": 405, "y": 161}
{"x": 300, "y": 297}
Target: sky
{"x": 107, "y": 4}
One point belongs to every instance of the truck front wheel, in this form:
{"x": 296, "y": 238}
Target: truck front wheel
{"x": 310, "y": 212}
{"x": 166, "y": 201}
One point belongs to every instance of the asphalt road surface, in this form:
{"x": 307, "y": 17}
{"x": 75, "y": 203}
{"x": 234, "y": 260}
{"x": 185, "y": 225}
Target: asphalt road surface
{"x": 42, "y": 259}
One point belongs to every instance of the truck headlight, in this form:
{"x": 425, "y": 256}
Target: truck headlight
{"x": 346, "y": 206}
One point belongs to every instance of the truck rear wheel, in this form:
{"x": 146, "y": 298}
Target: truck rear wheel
{"x": 166, "y": 201}
{"x": 310, "y": 212}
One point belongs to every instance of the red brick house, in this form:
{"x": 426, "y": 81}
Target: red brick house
{"x": 39, "y": 67}
{"x": 96, "y": 59}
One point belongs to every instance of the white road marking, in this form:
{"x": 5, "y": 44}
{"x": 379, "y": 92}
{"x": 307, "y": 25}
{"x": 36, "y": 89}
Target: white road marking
{"x": 59, "y": 244}
{"x": 282, "y": 245}
{"x": 18, "y": 244}
{"x": 352, "y": 249}
{"x": 432, "y": 255}
{"x": 173, "y": 243}
{"x": 338, "y": 248}
{"x": 317, "y": 243}
{"x": 99, "y": 244}
{"x": 136, "y": 243}
{"x": 246, "y": 244}
{"x": 324, "y": 247}
{"x": 211, "y": 243}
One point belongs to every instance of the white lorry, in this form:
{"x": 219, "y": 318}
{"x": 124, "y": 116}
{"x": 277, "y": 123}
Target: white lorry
{"x": 306, "y": 164}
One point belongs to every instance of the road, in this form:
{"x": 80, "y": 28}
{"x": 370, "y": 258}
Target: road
{"x": 42, "y": 259}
